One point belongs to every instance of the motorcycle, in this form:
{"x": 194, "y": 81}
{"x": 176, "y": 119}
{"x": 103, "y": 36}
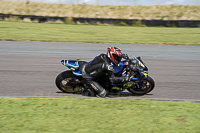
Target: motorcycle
{"x": 140, "y": 82}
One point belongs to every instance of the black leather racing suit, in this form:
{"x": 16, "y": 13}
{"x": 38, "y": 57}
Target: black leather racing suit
{"x": 99, "y": 65}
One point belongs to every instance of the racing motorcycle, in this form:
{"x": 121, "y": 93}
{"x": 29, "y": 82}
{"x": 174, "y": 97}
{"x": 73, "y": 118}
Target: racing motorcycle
{"x": 140, "y": 82}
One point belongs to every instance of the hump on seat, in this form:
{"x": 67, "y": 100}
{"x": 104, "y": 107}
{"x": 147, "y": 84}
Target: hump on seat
{"x": 73, "y": 63}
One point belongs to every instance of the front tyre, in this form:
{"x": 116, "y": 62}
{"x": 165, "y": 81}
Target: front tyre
{"x": 68, "y": 82}
{"x": 143, "y": 87}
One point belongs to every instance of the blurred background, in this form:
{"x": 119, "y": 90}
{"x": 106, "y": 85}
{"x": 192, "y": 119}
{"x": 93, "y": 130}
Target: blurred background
{"x": 119, "y": 2}
{"x": 122, "y": 9}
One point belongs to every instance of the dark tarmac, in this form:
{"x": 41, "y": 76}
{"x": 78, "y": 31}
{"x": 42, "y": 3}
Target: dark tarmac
{"x": 29, "y": 69}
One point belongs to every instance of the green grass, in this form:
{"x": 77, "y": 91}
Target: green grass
{"x": 98, "y": 34}
{"x": 69, "y": 114}
{"x": 158, "y": 12}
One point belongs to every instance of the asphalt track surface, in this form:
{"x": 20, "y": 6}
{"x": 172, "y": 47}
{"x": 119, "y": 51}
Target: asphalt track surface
{"x": 29, "y": 69}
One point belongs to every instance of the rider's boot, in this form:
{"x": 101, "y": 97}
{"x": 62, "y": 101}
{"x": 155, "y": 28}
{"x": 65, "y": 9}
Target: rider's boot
{"x": 101, "y": 92}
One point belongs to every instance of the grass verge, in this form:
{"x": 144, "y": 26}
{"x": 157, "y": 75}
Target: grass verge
{"x": 98, "y": 34}
{"x": 70, "y": 114}
{"x": 158, "y": 12}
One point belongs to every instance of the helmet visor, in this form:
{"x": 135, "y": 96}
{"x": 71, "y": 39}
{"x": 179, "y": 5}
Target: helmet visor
{"x": 117, "y": 58}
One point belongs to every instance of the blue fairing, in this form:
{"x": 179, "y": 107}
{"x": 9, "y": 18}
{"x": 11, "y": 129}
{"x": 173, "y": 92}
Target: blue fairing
{"x": 119, "y": 68}
{"x": 143, "y": 74}
{"x": 142, "y": 71}
{"x": 73, "y": 65}
{"x": 77, "y": 73}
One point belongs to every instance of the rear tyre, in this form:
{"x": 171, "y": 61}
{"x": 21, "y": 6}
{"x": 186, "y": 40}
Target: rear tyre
{"x": 68, "y": 82}
{"x": 145, "y": 87}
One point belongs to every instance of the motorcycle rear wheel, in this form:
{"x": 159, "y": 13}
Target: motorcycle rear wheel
{"x": 146, "y": 87}
{"x": 68, "y": 82}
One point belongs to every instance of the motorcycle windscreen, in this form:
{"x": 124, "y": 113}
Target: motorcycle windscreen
{"x": 141, "y": 63}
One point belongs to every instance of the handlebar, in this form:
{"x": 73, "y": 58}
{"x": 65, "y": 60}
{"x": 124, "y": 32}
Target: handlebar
{"x": 125, "y": 56}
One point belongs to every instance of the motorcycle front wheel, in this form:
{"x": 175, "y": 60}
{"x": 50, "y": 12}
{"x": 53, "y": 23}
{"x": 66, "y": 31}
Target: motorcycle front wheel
{"x": 68, "y": 82}
{"x": 143, "y": 87}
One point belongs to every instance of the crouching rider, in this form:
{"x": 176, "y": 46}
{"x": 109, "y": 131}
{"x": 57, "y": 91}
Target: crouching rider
{"x": 100, "y": 65}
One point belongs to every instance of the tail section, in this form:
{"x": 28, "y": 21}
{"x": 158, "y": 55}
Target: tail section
{"x": 73, "y": 65}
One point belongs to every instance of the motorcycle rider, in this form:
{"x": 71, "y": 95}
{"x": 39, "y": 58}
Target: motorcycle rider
{"x": 100, "y": 65}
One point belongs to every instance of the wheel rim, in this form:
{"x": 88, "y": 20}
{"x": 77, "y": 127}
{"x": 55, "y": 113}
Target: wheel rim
{"x": 69, "y": 85}
{"x": 145, "y": 87}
